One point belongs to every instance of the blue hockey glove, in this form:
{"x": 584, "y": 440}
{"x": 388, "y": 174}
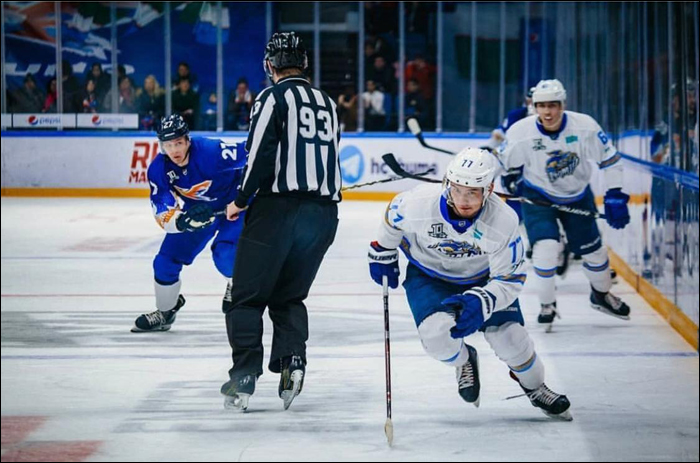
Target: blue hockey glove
{"x": 616, "y": 212}
{"x": 195, "y": 218}
{"x": 473, "y": 308}
{"x": 383, "y": 262}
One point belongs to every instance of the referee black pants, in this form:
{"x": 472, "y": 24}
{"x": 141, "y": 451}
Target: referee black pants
{"x": 279, "y": 253}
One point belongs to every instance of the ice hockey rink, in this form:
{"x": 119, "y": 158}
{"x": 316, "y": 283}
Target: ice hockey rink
{"x": 77, "y": 385}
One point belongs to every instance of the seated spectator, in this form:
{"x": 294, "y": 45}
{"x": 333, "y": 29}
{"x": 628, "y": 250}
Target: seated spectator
{"x": 186, "y": 102}
{"x": 383, "y": 75}
{"x": 28, "y": 98}
{"x": 90, "y": 101}
{"x": 183, "y": 72}
{"x": 424, "y": 73}
{"x": 209, "y": 113}
{"x": 373, "y": 102}
{"x": 347, "y": 110}
{"x": 72, "y": 90}
{"x": 150, "y": 103}
{"x": 239, "y": 105}
{"x": 102, "y": 80}
{"x": 415, "y": 103}
{"x": 51, "y": 101}
{"x": 127, "y": 97}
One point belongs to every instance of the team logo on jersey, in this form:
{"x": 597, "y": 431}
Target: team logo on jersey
{"x": 560, "y": 164}
{"x": 539, "y": 146}
{"x": 196, "y": 192}
{"x": 456, "y": 249}
{"x": 437, "y": 231}
{"x": 173, "y": 176}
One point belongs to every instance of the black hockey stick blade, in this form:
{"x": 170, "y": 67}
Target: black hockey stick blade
{"x": 416, "y": 130}
{"x": 395, "y": 167}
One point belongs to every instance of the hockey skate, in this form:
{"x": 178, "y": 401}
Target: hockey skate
{"x": 548, "y": 313}
{"x": 158, "y": 321}
{"x": 468, "y": 383}
{"x": 609, "y": 304}
{"x": 552, "y": 404}
{"x": 237, "y": 392}
{"x": 292, "y": 379}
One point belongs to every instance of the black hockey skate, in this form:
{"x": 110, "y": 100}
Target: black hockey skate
{"x": 158, "y": 321}
{"x": 609, "y": 304}
{"x": 292, "y": 371}
{"x": 548, "y": 313}
{"x": 552, "y": 404}
{"x": 227, "y": 303}
{"x": 237, "y": 392}
{"x": 468, "y": 383}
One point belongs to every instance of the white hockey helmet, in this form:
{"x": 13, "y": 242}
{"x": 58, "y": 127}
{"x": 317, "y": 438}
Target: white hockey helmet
{"x": 474, "y": 168}
{"x": 549, "y": 90}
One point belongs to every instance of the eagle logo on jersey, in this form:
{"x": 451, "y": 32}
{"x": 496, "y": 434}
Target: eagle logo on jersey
{"x": 560, "y": 164}
{"x": 456, "y": 249}
{"x": 196, "y": 192}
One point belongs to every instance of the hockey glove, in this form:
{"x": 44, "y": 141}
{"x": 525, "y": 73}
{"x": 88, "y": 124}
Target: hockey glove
{"x": 383, "y": 262}
{"x": 513, "y": 182}
{"x": 195, "y": 218}
{"x": 473, "y": 308}
{"x": 616, "y": 212}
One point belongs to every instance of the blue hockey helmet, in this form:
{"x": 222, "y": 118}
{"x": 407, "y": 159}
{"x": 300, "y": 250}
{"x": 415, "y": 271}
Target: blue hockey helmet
{"x": 172, "y": 127}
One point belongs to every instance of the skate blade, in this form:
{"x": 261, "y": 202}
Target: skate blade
{"x": 238, "y": 402}
{"x": 602, "y": 309}
{"x": 477, "y": 401}
{"x": 136, "y": 329}
{"x": 289, "y": 396}
{"x": 563, "y": 416}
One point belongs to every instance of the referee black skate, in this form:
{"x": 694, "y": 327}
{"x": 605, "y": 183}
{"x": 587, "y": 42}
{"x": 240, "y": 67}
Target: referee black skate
{"x": 292, "y": 186}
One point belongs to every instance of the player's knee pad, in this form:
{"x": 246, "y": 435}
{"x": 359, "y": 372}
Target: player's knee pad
{"x": 224, "y": 255}
{"x": 435, "y": 336}
{"x": 545, "y": 257}
{"x": 596, "y": 267}
{"x": 511, "y": 343}
{"x": 166, "y": 270}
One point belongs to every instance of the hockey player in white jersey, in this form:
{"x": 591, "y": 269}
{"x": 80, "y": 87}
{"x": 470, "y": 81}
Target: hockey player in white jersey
{"x": 464, "y": 274}
{"x": 554, "y": 150}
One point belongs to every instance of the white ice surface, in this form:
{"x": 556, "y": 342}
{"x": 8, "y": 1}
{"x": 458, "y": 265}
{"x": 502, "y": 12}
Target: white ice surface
{"x": 76, "y": 272}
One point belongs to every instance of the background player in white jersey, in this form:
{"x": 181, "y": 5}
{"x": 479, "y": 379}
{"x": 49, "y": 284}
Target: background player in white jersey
{"x": 464, "y": 275}
{"x": 555, "y": 149}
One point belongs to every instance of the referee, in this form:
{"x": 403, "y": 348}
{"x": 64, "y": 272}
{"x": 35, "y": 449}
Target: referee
{"x": 291, "y": 186}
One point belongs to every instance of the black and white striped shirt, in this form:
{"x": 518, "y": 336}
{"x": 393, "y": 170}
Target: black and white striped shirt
{"x": 292, "y": 144}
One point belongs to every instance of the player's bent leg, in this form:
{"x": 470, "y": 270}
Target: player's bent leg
{"x": 437, "y": 341}
{"x": 596, "y": 267}
{"x": 513, "y": 345}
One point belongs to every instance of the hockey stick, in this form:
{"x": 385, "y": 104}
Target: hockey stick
{"x": 388, "y": 426}
{"x": 394, "y": 165}
{"x": 416, "y": 130}
{"x": 386, "y": 180}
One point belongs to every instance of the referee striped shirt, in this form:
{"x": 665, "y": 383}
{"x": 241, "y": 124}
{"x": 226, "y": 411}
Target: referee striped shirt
{"x": 292, "y": 144}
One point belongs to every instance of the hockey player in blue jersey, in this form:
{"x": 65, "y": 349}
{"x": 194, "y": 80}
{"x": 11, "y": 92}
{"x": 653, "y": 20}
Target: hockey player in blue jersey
{"x": 191, "y": 180}
{"x": 465, "y": 272}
